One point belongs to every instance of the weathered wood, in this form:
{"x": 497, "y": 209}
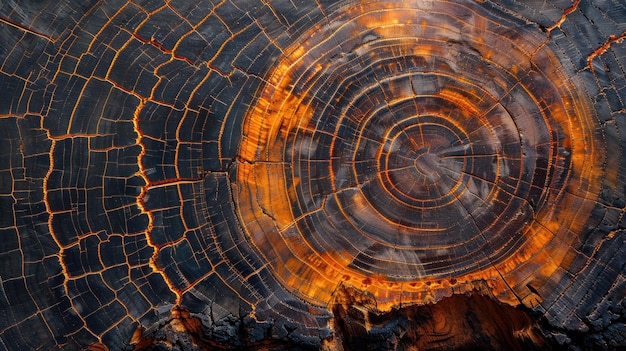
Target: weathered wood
{"x": 312, "y": 174}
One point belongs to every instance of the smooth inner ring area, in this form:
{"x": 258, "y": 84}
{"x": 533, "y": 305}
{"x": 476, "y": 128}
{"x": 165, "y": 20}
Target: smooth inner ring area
{"x": 416, "y": 165}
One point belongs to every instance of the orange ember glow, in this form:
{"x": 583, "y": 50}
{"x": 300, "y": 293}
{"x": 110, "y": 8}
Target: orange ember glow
{"x": 447, "y": 147}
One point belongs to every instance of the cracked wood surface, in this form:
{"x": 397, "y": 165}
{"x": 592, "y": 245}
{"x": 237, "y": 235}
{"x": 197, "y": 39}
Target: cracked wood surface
{"x": 218, "y": 174}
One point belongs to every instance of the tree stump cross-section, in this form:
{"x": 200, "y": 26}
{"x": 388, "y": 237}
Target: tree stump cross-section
{"x": 334, "y": 175}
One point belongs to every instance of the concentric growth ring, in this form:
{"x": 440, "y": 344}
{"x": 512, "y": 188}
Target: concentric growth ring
{"x": 402, "y": 150}
{"x": 415, "y": 163}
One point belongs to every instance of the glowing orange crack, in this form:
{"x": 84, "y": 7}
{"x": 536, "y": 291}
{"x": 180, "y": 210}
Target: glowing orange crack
{"x": 162, "y": 48}
{"x": 602, "y": 49}
{"x": 61, "y": 250}
{"x": 26, "y": 29}
{"x": 140, "y": 203}
{"x": 566, "y": 12}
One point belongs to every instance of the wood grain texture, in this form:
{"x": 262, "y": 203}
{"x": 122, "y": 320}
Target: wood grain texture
{"x": 312, "y": 174}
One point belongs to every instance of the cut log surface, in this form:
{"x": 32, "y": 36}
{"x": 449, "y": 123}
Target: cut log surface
{"x": 336, "y": 175}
